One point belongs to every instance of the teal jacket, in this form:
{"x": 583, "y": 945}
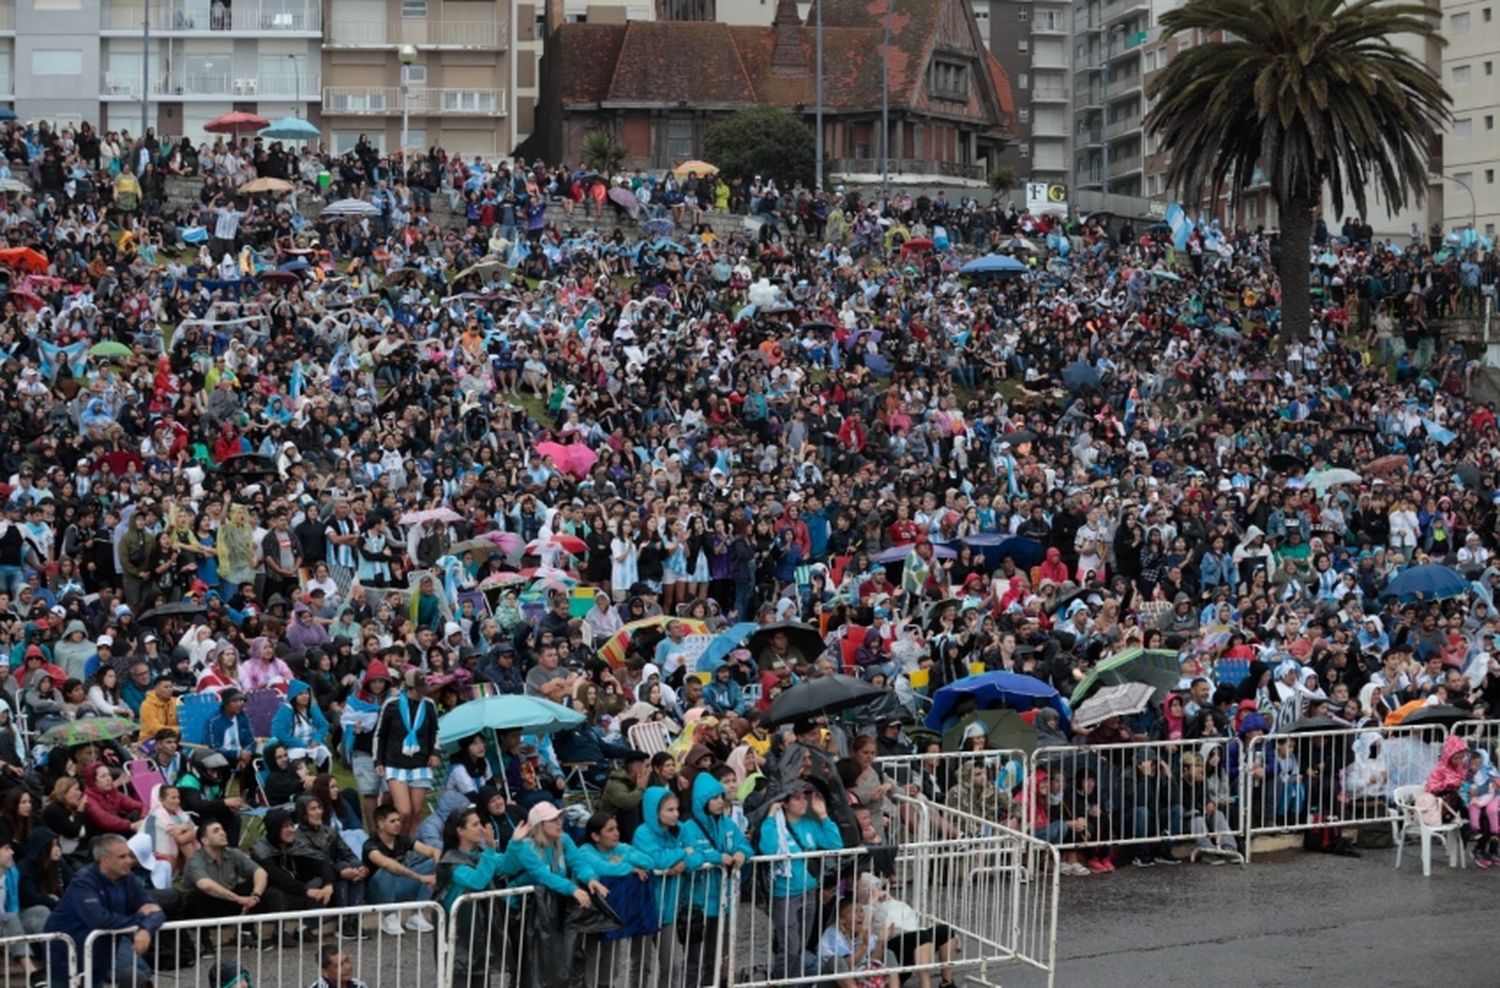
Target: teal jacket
{"x": 560, "y": 873}
{"x": 791, "y": 877}
{"x": 621, "y": 861}
{"x": 713, "y": 837}
{"x": 664, "y": 848}
{"x": 459, "y": 873}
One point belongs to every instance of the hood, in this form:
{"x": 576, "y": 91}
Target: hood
{"x": 37, "y": 843}
{"x": 275, "y": 820}
{"x": 1454, "y": 747}
{"x": 1251, "y": 534}
{"x": 269, "y": 755}
{"x": 74, "y": 627}
{"x": 650, "y": 806}
{"x": 648, "y": 670}
{"x": 376, "y": 670}
{"x": 298, "y": 687}
{"x": 705, "y": 788}
{"x": 1054, "y": 554}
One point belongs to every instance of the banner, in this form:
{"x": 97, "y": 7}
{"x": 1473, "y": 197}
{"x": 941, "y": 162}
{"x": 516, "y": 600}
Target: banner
{"x": 1045, "y": 197}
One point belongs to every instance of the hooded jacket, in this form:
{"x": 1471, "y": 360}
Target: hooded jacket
{"x": 1452, "y": 767}
{"x": 665, "y": 848}
{"x": 289, "y": 867}
{"x": 362, "y": 710}
{"x": 283, "y": 725}
{"x": 712, "y": 837}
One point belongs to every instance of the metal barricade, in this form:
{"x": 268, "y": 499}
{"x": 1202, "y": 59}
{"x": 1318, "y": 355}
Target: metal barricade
{"x": 1336, "y": 778}
{"x": 1148, "y": 797}
{"x": 488, "y": 936}
{"x": 1480, "y": 733}
{"x": 935, "y": 775}
{"x": 31, "y": 956}
{"x": 285, "y": 948}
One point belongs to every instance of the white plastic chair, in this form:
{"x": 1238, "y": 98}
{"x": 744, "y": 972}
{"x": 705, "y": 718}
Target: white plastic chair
{"x": 649, "y": 736}
{"x": 1411, "y": 820}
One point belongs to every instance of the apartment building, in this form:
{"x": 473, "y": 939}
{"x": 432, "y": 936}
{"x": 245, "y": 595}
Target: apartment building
{"x": 1029, "y": 38}
{"x": 74, "y": 60}
{"x": 1469, "y": 190}
{"x": 1109, "y": 69}
{"x": 451, "y": 73}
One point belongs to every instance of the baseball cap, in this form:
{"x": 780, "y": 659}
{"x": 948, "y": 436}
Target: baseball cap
{"x": 541, "y": 813}
{"x": 104, "y": 641}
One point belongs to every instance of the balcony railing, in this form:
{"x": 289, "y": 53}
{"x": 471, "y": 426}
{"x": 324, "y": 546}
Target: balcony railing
{"x": 907, "y": 166}
{"x": 215, "y": 85}
{"x": 1049, "y": 94}
{"x": 422, "y": 33}
{"x": 386, "y": 101}
{"x": 7, "y": 18}
{"x": 246, "y": 18}
{"x": 1124, "y": 166}
{"x": 1125, "y": 125}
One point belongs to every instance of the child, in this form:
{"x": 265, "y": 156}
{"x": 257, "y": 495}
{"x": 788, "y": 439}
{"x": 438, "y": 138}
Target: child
{"x": 1481, "y": 791}
{"x": 849, "y": 947}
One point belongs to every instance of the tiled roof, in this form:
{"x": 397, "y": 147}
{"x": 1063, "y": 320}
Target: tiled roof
{"x": 669, "y": 61}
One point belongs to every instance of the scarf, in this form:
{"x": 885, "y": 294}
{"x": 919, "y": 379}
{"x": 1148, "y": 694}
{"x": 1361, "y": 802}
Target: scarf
{"x": 411, "y": 745}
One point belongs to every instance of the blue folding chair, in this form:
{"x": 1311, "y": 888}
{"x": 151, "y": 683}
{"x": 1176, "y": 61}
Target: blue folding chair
{"x": 193, "y": 714}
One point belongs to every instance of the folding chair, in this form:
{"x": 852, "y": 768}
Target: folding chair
{"x": 193, "y": 714}
{"x": 261, "y": 707}
{"x": 144, "y": 777}
{"x": 649, "y": 736}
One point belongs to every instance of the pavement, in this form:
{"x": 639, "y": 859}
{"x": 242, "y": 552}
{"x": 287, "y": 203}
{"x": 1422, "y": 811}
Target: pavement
{"x": 1287, "y": 919}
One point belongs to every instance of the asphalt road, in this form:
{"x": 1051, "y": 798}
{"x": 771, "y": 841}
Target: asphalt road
{"x": 1288, "y": 919}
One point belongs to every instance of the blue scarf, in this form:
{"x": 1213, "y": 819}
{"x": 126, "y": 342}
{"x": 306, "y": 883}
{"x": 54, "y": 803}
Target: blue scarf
{"x": 411, "y": 745}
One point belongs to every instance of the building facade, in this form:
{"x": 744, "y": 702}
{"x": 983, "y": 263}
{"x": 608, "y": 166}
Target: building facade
{"x": 1470, "y": 187}
{"x": 1030, "y": 39}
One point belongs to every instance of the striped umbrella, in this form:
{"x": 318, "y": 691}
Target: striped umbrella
{"x": 613, "y": 650}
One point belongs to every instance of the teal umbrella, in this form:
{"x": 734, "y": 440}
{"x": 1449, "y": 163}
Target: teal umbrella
{"x": 1158, "y": 668}
{"x": 291, "y": 129}
{"x": 506, "y": 713}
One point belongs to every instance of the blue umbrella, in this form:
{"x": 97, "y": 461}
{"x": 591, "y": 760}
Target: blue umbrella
{"x": 659, "y": 227}
{"x": 996, "y": 264}
{"x": 898, "y": 553}
{"x": 6, "y": 113}
{"x": 291, "y": 129}
{"x": 996, "y": 689}
{"x": 1025, "y": 552}
{"x": 727, "y": 641}
{"x": 1080, "y": 376}
{"x": 531, "y": 714}
{"x": 1431, "y": 582}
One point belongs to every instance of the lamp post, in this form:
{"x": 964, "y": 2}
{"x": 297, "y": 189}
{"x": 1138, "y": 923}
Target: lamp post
{"x": 1473, "y": 206}
{"x": 818, "y": 85}
{"x": 408, "y": 55}
{"x": 296, "y": 86}
{"x": 145, "y": 66}
{"x": 885, "y": 105}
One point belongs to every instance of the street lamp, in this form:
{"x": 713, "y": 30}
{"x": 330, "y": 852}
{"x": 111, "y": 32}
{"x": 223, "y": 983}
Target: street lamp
{"x": 408, "y": 55}
{"x": 1473, "y": 207}
{"x": 296, "y": 86}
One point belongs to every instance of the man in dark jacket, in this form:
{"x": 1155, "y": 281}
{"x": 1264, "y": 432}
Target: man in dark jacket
{"x": 106, "y": 896}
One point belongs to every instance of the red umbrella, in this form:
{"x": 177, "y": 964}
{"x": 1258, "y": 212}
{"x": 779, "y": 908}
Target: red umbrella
{"x": 567, "y": 543}
{"x": 1387, "y": 464}
{"x": 235, "y": 121}
{"x": 917, "y": 243}
{"x": 22, "y": 297}
{"x": 25, "y": 259}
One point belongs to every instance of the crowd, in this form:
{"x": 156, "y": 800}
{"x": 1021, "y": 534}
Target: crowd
{"x": 284, "y": 487}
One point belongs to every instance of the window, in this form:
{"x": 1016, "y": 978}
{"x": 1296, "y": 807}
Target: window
{"x": 1489, "y": 230}
{"x": 1023, "y": 46}
{"x": 679, "y": 138}
{"x": 57, "y": 61}
{"x": 59, "y": 4}
{"x": 1461, "y": 23}
{"x": 1023, "y": 13}
{"x": 1023, "y": 80}
{"x": 949, "y": 80}
{"x": 468, "y": 101}
{"x": 1489, "y": 121}
{"x": 414, "y": 8}
{"x": 1484, "y": 15}
{"x": 1460, "y": 75}
{"x": 1465, "y": 179}
{"x": 416, "y": 75}
{"x": 1489, "y": 68}
{"x": 1462, "y": 128}
{"x": 1489, "y": 176}
{"x": 1023, "y": 115}
{"x": 416, "y": 138}
{"x": 1023, "y": 149}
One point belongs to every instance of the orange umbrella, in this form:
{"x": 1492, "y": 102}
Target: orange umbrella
{"x": 613, "y": 650}
{"x": 24, "y": 258}
{"x": 235, "y": 121}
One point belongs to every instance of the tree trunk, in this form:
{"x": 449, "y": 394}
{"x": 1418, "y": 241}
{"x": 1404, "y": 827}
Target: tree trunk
{"x": 1292, "y": 268}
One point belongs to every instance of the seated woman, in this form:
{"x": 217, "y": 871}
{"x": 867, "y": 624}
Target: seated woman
{"x": 301, "y": 726}
{"x": 286, "y": 778}
{"x": 295, "y": 869}
{"x": 109, "y": 809}
{"x": 468, "y": 771}
{"x": 314, "y": 834}
{"x": 913, "y": 942}
{"x": 170, "y": 837}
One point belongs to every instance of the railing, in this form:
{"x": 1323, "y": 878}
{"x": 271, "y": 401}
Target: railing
{"x": 1049, "y": 94}
{"x": 387, "y": 101}
{"x": 7, "y": 18}
{"x": 217, "y": 85}
{"x": 912, "y": 166}
{"x": 421, "y": 32}
{"x": 1124, "y": 165}
{"x": 242, "y": 17}
{"x": 1124, "y": 126}
{"x": 54, "y": 957}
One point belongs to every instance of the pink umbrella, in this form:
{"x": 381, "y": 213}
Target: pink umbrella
{"x": 567, "y": 543}
{"x": 574, "y": 458}
{"x": 431, "y": 514}
{"x": 507, "y": 542}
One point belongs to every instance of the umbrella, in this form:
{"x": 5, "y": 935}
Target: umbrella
{"x": 659, "y": 227}
{"x": 247, "y": 465}
{"x": 24, "y": 258}
{"x": 1324, "y": 479}
{"x": 1429, "y": 582}
{"x": 481, "y": 545}
{"x": 508, "y": 712}
{"x": 1019, "y": 437}
{"x": 1437, "y": 713}
{"x": 724, "y": 642}
{"x": 430, "y": 514}
{"x": 625, "y": 199}
{"x": 1024, "y": 552}
{"x": 551, "y": 584}
{"x": 1165, "y": 275}
{"x": 1112, "y": 701}
{"x": 110, "y": 348}
{"x": 501, "y": 580}
{"x": 278, "y": 277}
{"x": 548, "y": 573}
{"x": 12, "y": 184}
{"x": 898, "y": 553}
{"x": 572, "y": 458}
{"x": 351, "y": 207}
{"x": 994, "y": 264}
{"x": 1003, "y": 730}
{"x": 267, "y": 185}
{"x": 6, "y": 113}
{"x": 1387, "y": 464}
{"x": 1350, "y": 430}
{"x": 181, "y": 608}
{"x": 567, "y": 543}
{"x": 235, "y": 121}
{"x": 484, "y": 269}
{"x": 89, "y": 729}
{"x": 1080, "y": 376}
{"x": 695, "y": 167}
{"x": 995, "y": 689}
{"x": 1286, "y": 461}
{"x": 614, "y": 649}
{"x": 1018, "y": 243}
{"x": 1468, "y": 474}
{"x": 1309, "y": 724}
{"x": 802, "y": 639}
{"x": 291, "y": 129}
{"x": 915, "y": 244}
{"x": 824, "y": 695}
{"x": 507, "y": 542}
{"x": 1155, "y": 667}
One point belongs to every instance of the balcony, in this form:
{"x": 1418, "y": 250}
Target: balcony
{"x": 385, "y": 101}
{"x": 908, "y": 166}
{"x": 273, "y": 19}
{"x": 422, "y": 33}
{"x": 1123, "y": 87}
{"x": 1088, "y": 139}
{"x": 1049, "y": 26}
{"x": 1048, "y": 127}
{"x": 1043, "y": 58}
{"x": 7, "y": 22}
{"x": 1049, "y": 94}
{"x": 1121, "y": 127}
{"x": 1129, "y": 165}
{"x": 1115, "y": 10}
{"x": 126, "y": 86}
{"x": 1129, "y": 45}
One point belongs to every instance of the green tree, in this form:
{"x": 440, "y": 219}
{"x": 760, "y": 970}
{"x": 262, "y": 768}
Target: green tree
{"x": 1312, "y": 92}
{"x": 601, "y": 152}
{"x": 1003, "y": 179}
{"x": 762, "y": 141}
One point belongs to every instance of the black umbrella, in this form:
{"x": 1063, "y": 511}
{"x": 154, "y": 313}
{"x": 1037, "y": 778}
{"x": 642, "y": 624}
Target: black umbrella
{"x": 1018, "y": 437}
{"x": 1309, "y": 724}
{"x": 1080, "y": 376}
{"x": 1470, "y": 477}
{"x": 182, "y": 608}
{"x": 822, "y": 325}
{"x": 1440, "y": 713}
{"x": 802, "y": 639}
{"x": 826, "y": 695}
{"x": 1286, "y": 461}
{"x": 1350, "y": 430}
{"x": 248, "y": 465}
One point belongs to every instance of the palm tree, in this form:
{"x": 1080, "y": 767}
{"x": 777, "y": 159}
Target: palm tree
{"x": 1313, "y": 92}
